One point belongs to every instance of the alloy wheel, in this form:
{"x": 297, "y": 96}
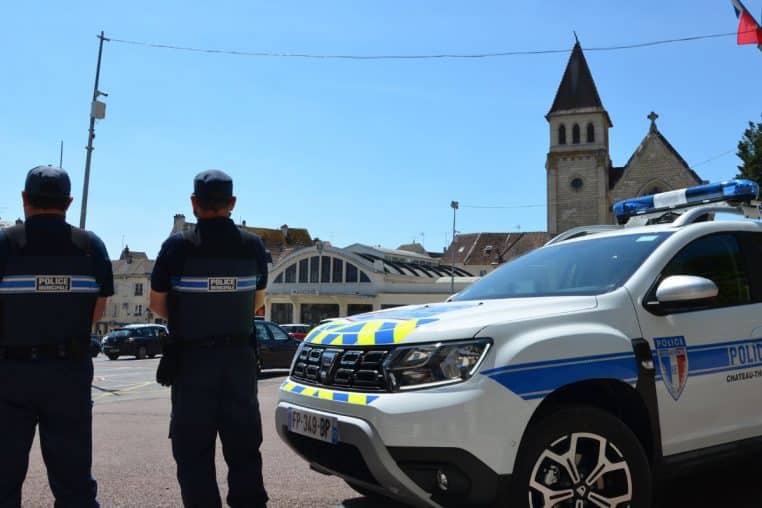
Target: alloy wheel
{"x": 581, "y": 470}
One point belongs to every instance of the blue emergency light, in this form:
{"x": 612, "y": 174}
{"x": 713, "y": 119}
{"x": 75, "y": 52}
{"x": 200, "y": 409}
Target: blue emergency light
{"x": 729, "y": 190}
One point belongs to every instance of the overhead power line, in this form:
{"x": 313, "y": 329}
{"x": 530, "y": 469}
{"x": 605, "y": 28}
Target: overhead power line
{"x": 432, "y": 56}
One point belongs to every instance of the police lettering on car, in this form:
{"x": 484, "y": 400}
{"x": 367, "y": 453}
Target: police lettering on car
{"x": 54, "y": 281}
{"x": 209, "y": 282}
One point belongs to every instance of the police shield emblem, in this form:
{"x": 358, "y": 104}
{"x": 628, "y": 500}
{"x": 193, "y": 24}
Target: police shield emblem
{"x": 672, "y": 357}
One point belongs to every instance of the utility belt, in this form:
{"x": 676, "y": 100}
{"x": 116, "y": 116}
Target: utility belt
{"x": 73, "y": 350}
{"x": 213, "y": 342}
{"x": 170, "y": 365}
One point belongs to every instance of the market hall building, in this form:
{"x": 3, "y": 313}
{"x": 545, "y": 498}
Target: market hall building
{"x": 322, "y": 281}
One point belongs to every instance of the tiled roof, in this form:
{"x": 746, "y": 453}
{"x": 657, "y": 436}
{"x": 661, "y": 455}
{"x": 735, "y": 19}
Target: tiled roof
{"x": 577, "y": 89}
{"x": 488, "y": 248}
{"x": 413, "y": 247}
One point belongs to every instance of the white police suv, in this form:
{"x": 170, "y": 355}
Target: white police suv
{"x": 573, "y": 376}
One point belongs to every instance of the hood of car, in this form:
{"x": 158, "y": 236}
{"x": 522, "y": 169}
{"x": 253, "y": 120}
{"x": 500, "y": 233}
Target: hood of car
{"x": 440, "y": 321}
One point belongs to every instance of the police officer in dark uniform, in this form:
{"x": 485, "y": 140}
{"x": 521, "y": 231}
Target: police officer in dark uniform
{"x": 208, "y": 283}
{"x": 54, "y": 280}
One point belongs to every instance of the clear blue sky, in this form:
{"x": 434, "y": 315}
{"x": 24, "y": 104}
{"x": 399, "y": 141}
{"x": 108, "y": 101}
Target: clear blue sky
{"x": 356, "y": 151}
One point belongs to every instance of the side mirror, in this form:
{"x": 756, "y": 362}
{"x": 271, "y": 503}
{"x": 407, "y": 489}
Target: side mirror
{"x": 685, "y": 288}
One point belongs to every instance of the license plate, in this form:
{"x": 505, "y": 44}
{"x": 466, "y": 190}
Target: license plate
{"x": 313, "y": 425}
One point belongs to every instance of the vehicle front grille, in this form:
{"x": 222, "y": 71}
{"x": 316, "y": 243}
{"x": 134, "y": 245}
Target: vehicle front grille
{"x": 356, "y": 369}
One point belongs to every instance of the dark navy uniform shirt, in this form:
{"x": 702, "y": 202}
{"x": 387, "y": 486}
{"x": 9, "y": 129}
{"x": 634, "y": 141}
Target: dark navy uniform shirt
{"x": 219, "y": 238}
{"x": 48, "y": 235}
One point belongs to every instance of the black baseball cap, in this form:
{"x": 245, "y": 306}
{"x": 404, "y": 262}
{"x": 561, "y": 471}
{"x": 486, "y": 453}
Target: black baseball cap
{"x": 213, "y": 185}
{"x": 47, "y": 182}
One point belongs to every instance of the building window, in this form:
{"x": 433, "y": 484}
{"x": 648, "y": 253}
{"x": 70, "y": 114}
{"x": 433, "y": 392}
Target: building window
{"x": 325, "y": 269}
{"x": 358, "y": 308}
{"x": 575, "y": 134}
{"x": 291, "y": 274}
{"x": 364, "y": 277}
{"x": 338, "y": 270}
{"x": 577, "y": 183}
{"x": 139, "y": 289}
{"x": 282, "y": 312}
{"x": 138, "y": 310}
{"x": 562, "y": 134}
{"x": 390, "y": 305}
{"x": 590, "y": 133}
{"x": 351, "y": 273}
{"x": 278, "y": 279}
{"x": 313, "y": 313}
{"x": 126, "y": 309}
{"x": 304, "y": 271}
{"x": 314, "y": 269}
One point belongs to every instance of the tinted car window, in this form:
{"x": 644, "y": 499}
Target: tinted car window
{"x": 261, "y": 330}
{"x": 717, "y": 258}
{"x": 278, "y": 334}
{"x": 587, "y": 267}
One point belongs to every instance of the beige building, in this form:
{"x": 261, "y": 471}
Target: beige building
{"x": 582, "y": 182}
{"x": 323, "y": 281}
{"x": 132, "y": 290}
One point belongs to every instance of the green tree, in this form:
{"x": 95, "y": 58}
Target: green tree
{"x": 750, "y": 152}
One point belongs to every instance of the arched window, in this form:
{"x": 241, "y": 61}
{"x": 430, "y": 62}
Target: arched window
{"x": 590, "y": 133}
{"x": 575, "y": 134}
{"x": 562, "y": 134}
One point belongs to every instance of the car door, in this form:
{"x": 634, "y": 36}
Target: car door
{"x": 703, "y": 349}
{"x": 264, "y": 345}
{"x": 283, "y": 347}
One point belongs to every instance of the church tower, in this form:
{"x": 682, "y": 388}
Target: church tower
{"x": 578, "y": 163}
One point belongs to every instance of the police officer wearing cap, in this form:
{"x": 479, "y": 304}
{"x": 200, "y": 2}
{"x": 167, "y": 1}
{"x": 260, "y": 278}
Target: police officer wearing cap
{"x": 209, "y": 282}
{"x": 54, "y": 280}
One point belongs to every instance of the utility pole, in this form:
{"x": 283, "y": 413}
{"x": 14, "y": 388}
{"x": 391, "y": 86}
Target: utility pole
{"x": 60, "y": 156}
{"x": 454, "y": 206}
{"x": 97, "y": 111}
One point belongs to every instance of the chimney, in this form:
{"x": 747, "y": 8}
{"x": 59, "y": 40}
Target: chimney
{"x": 179, "y": 225}
{"x": 243, "y": 223}
{"x": 19, "y": 221}
{"x": 284, "y": 230}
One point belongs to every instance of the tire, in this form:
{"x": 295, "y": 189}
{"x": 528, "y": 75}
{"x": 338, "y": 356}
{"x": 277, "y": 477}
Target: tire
{"x": 141, "y": 353}
{"x": 566, "y": 444}
{"x": 260, "y": 366}
{"x": 152, "y": 355}
{"x": 112, "y": 356}
{"x": 370, "y": 494}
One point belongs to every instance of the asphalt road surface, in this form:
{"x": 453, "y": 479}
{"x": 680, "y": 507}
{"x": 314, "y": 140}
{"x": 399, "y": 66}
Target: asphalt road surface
{"x": 134, "y": 467}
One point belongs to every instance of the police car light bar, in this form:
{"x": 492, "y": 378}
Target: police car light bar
{"x": 733, "y": 191}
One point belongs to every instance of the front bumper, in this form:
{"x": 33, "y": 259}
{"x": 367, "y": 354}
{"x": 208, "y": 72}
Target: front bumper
{"x": 397, "y": 444}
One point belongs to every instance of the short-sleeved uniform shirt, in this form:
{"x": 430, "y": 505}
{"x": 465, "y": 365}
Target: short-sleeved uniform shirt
{"x": 219, "y": 238}
{"x": 50, "y": 235}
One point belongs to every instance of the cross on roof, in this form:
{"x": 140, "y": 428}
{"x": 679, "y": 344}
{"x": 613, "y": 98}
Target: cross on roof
{"x": 653, "y": 116}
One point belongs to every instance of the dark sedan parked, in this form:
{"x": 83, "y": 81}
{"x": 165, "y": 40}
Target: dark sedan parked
{"x": 95, "y": 345}
{"x": 275, "y": 347}
{"x": 140, "y": 341}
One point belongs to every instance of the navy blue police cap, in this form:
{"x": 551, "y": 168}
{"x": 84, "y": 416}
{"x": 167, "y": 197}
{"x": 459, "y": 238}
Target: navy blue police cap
{"x": 213, "y": 185}
{"x": 47, "y": 182}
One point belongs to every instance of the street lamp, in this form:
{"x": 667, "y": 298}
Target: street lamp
{"x": 454, "y": 205}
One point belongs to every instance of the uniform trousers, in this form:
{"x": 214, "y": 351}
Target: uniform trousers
{"x": 54, "y": 395}
{"x": 215, "y": 393}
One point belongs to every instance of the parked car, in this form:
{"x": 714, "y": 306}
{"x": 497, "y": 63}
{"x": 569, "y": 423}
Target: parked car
{"x": 582, "y": 374}
{"x": 297, "y": 330}
{"x": 275, "y": 347}
{"x": 140, "y": 341}
{"x": 95, "y": 345}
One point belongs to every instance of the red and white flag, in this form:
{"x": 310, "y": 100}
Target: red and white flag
{"x": 749, "y": 31}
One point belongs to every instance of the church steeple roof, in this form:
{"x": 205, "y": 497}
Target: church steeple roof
{"x": 577, "y": 89}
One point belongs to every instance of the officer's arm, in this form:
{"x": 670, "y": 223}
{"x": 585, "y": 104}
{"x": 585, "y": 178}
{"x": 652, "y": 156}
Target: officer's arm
{"x": 158, "y": 304}
{"x": 259, "y": 299}
{"x": 100, "y": 309}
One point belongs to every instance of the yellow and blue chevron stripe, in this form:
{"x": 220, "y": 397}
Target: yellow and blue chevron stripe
{"x": 360, "y": 399}
{"x": 366, "y": 333}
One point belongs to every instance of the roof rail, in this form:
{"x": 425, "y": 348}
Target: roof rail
{"x": 749, "y": 210}
{"x": 581, "y": 231}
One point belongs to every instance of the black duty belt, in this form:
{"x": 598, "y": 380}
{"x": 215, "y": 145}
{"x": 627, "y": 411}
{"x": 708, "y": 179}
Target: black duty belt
{"x": 74, "y": 350}
{"x": 215, "y": 342}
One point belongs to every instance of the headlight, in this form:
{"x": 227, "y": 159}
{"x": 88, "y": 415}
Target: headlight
{"x": 427, "y": 365}
{"x": 131, "y": 339}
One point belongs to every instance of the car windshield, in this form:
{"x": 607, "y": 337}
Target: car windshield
{"x": 588, "y": 267}
{"x": 120, "y": 333}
